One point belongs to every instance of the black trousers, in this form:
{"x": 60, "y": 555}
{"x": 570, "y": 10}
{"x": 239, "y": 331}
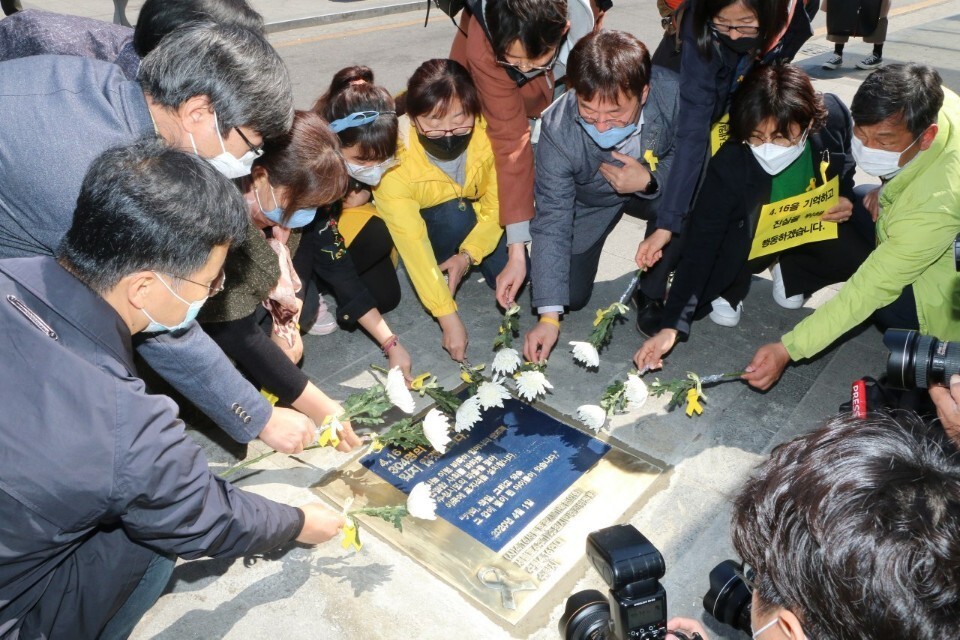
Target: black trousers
{"x": 10, "y": 6}
{"x": 259, "y": 358}
{"x": 363, "y": 279}
{"x": 810, "y": 267}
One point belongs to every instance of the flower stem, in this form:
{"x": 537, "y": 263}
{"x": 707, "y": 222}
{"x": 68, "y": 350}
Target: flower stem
{"x": 246, "y": 463}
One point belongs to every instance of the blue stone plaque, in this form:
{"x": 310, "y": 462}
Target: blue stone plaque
{"x": 499, "y": 477}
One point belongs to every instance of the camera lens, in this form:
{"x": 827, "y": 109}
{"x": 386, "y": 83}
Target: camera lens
{"x": 918, "y": 361}
{"x": 586, "y": 617}
{"x": 729, "y": 598}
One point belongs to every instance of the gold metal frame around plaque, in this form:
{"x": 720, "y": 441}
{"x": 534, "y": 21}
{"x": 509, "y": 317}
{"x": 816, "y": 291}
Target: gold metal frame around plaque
{"x": 537, "y": 562}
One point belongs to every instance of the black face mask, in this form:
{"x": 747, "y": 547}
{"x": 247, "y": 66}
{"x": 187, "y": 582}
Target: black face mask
{"x": 740, "y": 45}
{"x": 446, "y": 148}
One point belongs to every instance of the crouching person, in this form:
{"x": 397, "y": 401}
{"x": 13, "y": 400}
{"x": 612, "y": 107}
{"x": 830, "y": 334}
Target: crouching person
{"x": 99, "y": 486}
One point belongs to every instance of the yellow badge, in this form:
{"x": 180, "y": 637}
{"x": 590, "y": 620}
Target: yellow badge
{"x": 651, "y": 159}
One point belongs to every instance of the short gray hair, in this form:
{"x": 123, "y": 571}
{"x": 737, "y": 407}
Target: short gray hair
{"x": 236, "y": 68}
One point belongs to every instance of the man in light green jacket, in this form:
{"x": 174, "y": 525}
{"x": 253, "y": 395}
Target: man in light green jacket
{"x": 907, "y": 133}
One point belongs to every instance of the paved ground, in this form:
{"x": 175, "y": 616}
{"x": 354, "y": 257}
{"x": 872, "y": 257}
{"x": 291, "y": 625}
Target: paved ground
{"x": 380, "y": 593}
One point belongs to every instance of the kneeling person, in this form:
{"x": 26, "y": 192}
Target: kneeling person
{"x": 606, "y": 145}
{"x": 104, "y": 483}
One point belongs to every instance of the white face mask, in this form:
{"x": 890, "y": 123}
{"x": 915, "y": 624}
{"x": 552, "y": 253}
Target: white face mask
{"x": 227, "y": 163}
{"x": 774, "y": 158}
{"x": 370, "y": 175}
{"x": 879, "y": 163}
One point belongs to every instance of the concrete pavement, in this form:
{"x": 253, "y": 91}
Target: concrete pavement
{"x": 326, "y": 592}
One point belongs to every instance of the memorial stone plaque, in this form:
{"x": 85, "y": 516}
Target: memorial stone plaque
{"x": 516, "y": 497}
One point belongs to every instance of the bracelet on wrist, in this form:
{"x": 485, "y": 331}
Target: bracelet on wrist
{"x": 390, "y": 343}
{"x": 549, "y": 320}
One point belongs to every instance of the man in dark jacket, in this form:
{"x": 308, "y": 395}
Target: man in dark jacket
{"x": 604, "y": 146}
{"x": 212, "y": 90}
{"x": 98, "y": 481}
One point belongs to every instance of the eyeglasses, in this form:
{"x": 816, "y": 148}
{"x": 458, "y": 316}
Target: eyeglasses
{"x": 358, "y": 119}
{"x": 213, "y": 288}
{"x": 256, "y": 149}
{"x": 527, "y": 68}
{"x": 613, "y": 122}
{"x": 779, "y": 140}
{"x": 436, "y": 134}
{"x": 748, "y": 30}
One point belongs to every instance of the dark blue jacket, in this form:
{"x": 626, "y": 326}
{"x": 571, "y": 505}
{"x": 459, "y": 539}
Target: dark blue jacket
{"x": 94, "y": 472}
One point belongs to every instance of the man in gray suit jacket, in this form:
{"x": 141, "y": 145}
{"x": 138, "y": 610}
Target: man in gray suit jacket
{"x": 213, "y": 90}
{"x": 605, "y": 146}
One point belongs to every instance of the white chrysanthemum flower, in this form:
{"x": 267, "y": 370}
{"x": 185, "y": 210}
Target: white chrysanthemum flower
{"x": 532, "y": 384}
{"x": 468, "y": 414}
{"x": 436, "y": 428}
{"x": 636, "y": 391}
{"x": 506, "y": 361}
{"x": 592, "y": 416}
{"x": 397, "y": 391}
{"x": 586, "y": 353}
{"x": 420, "y": 504}
{"x": 491, "y": 394}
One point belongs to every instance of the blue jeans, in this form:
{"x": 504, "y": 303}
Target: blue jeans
{"x": 448, "y": 227}
{"x": 141, "y": 599}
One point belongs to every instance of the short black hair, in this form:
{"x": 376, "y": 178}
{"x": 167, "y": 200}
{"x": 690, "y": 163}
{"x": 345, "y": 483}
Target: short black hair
{"x": 912, "y": 92}
{"x": 855, "y": 528}
{"x": 159, "y": 17}
{"x": 147, "y": 207}
{"x": 236, "y": 68}
{"x": 538, "y": 25}
{"x": 780, "y": 91}
{"x": 772, "y": 17}
{"x": 608, "y": 63}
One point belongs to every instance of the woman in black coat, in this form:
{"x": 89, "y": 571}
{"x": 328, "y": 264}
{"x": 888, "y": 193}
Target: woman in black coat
{"x": 781, "y": 131}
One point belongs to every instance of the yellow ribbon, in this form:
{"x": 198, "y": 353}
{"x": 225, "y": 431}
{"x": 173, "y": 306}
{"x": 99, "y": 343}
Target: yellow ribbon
{"x": 351, "y": 536}
{"x": 466, "y": 377}
{"x": 651, "y": 159}
{"x": 693, "y": 402}
{"x": 328, "y": 436}
{"x": 272, "y": 399}
{"x": 417, "y": 383}
{"x": 600, "y": 314}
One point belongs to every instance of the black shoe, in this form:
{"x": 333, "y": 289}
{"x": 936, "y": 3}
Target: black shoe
{"x": 649, "y": 313}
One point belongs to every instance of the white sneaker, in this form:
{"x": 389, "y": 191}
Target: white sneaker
{"x": 780, "y": 292}
{"x": 725, "y": 315}
{"x": 325, "y": 324}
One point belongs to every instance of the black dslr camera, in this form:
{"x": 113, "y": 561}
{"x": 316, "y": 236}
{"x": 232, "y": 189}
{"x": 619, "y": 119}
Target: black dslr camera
{"x": 730, "y": 599}
{"x": 632, "y": 567}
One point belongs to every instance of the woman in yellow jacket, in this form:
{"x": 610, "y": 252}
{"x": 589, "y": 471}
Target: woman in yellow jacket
{"x": 440, "y": 203}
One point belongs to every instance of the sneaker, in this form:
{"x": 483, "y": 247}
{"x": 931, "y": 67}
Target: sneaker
{"x": 725, "y": 315}
{"x": 780, "y": 292}
{"x": 649, "y": 313}
{"x": 870, "y": 62}
{"x": 833, "y": 63}
{"x": 325, "y": 324}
